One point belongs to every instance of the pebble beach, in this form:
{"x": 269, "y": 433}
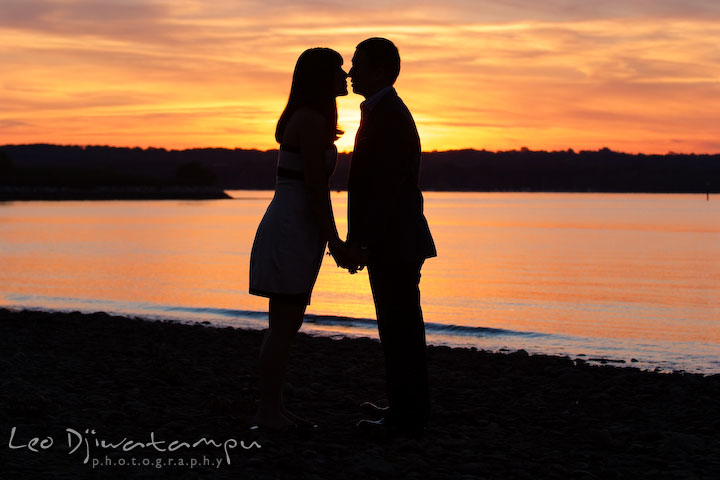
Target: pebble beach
{"x": 104, "y": 396}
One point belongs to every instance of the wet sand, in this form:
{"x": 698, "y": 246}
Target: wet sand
{"x": 65, "y": 376}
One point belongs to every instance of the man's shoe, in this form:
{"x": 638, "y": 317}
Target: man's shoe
{"x": 409, "y": 431}
{"x": 370, "y": 408}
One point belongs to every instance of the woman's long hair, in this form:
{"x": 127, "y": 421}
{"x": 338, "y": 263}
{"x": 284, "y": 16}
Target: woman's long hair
{"x": 313, "y": 86}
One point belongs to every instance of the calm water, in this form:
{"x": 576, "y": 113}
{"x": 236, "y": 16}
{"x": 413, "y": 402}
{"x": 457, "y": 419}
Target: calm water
{"x": 594, "y": 275}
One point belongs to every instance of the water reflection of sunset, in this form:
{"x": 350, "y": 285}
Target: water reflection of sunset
{"x": 482, "y": 74}
{"x": 498, "y": 266}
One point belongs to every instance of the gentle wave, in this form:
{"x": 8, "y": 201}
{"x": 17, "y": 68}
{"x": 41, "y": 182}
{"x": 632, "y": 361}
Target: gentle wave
{"x": 365, "y": 323}
{"x": 448, "y": 330}
{"x": 430, "y": 328}
{"x": 216, "y": 311}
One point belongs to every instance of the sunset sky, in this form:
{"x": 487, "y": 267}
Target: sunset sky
{"x": 631, "y": 75}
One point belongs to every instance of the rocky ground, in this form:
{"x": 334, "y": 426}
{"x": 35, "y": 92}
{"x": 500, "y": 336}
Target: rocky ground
{"x": 103, "y": 384}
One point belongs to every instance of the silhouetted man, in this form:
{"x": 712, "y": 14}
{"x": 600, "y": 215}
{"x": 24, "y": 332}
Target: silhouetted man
{"x": 388, "y": 231}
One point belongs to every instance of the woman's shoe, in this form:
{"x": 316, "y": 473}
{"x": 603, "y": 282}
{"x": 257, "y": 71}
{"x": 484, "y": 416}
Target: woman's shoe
{"x": 302, "y": 423}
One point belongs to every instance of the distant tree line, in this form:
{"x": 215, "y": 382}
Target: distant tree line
{"x": 458, "y": 170}
{"x": 586, "y": 171}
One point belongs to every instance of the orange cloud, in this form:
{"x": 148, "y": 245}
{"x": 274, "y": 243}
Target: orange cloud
{"x": 476, "y": 74}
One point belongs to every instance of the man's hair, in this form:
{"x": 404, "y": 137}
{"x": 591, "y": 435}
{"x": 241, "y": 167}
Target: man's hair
{"x": 382, "y": 53}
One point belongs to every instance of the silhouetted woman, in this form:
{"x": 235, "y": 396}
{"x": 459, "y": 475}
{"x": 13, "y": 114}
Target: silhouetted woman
{"x": 290, "y": 241}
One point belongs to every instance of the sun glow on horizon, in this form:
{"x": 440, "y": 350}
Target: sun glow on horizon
{"x": 184, "y": 75}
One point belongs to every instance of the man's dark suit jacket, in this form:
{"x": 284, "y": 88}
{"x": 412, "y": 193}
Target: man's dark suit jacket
{"x": 385, "y": 205}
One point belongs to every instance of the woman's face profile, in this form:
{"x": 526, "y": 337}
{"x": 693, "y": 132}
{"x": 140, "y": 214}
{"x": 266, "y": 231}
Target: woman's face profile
{"x": 341, "y": 86}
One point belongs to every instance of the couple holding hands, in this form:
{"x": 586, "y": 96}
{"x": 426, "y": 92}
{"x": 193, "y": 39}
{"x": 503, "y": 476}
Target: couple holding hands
{"x": 387, "y": 230}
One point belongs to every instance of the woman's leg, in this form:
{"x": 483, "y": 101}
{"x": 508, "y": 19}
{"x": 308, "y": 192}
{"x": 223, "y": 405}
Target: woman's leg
{"x": 285, "y": 321}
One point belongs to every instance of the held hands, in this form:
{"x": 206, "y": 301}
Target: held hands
{"x": 350, "y": 256}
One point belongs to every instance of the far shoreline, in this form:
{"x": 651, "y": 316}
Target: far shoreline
{"x": 602, "y": 170}
{"x": 23, "y": 193}
{"x": 102, "y": 193}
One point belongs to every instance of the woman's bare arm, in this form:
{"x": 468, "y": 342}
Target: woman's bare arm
{"x": 311, "y": 132}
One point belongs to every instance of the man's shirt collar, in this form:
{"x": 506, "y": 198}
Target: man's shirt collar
{"x": 370, "y": 102}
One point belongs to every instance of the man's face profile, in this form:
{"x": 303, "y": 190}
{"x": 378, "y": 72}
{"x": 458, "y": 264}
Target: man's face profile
{"x": 361, "y": 74}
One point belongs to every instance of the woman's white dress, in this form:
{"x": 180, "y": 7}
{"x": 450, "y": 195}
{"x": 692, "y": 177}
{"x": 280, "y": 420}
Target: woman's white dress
{"x": 288, "y": 248}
